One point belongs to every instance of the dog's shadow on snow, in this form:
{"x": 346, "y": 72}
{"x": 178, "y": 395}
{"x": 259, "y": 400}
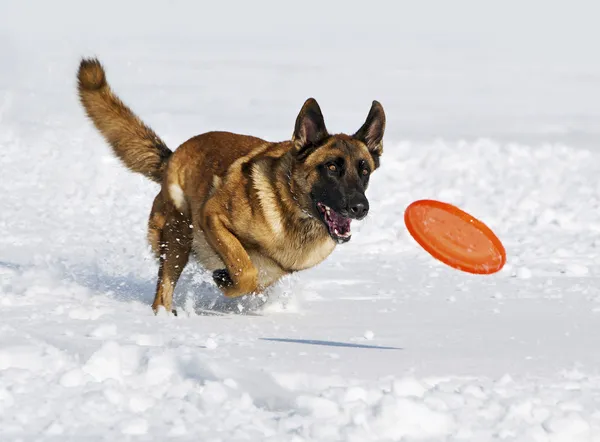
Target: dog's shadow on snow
{"x": 330, "y": 343}
{"x": 193, "y": 293}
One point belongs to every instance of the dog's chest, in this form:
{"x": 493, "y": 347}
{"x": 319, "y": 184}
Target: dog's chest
{"x": 306, "y": 255}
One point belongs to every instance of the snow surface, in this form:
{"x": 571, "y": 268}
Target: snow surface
{"x": 492, "y": 108}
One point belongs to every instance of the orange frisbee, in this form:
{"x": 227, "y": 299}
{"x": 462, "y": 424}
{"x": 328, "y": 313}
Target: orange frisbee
{"x": 454, "y": 237}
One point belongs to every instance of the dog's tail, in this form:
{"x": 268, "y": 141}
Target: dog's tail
{"x": 136, "y": 145}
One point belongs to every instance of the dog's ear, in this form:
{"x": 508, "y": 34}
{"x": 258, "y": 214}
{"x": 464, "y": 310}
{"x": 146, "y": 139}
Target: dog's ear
{"x": 310, "y": 130}
{"x": 371, "y": 133}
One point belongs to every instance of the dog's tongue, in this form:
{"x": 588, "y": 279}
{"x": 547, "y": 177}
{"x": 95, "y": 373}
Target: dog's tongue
{"x": 339, "y": 222}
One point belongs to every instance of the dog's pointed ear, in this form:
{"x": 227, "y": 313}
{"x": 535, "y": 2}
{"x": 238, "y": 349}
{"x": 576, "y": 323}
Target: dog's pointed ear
{"x": 371, "y": 133}
{"x": 310, "y": 128}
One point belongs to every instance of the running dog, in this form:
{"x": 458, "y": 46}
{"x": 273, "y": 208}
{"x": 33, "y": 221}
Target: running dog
{"x": 250, "y": 210}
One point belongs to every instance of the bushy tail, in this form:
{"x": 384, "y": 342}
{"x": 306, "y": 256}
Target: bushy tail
{"x": 138, "y": 147}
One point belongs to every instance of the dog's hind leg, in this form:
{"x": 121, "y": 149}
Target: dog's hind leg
{"x": 156, "y": 223}
{"x": 175, "y": 244}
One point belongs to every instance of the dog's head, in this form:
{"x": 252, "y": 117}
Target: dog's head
{"x": 333, "y": 171}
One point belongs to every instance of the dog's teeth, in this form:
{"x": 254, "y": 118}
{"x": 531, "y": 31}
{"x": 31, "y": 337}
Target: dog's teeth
{"x": 336, "y": 232}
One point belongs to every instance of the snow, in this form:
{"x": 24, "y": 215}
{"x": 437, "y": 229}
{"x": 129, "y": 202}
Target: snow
{"x": 492, "y": 108}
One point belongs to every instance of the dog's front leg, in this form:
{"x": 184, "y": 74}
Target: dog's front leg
{"x": 241, "y": 277}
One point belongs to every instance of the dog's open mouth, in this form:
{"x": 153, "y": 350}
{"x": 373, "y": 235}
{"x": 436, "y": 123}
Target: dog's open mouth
{"x": 338, "y": 225}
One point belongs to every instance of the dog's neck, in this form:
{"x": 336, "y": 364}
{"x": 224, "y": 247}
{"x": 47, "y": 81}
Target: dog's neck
{"x": 289, "y": 195}
{"x": 296, "y": 211}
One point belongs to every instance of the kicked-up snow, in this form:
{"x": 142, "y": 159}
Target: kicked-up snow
{"x": 380, "y": 342}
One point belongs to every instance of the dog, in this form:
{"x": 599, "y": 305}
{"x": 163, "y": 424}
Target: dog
{"x": 250, "y": 210}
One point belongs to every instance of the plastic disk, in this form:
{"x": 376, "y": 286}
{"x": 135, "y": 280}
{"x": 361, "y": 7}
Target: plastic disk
{"x": 454, "y": 237}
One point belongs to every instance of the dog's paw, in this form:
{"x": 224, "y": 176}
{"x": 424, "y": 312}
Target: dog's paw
{"x": 162, "y": 311}
{"x": 222, "y": 278}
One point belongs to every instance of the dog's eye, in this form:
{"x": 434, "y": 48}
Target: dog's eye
{"x": 332, "y": 167}
{"x": 362, "y": 167}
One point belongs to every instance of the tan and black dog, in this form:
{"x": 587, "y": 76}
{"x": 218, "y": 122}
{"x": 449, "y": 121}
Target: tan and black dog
{"x": 250, "y": 210}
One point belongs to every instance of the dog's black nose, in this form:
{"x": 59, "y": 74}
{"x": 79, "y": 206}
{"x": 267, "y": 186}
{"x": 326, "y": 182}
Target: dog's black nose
{"x": 359, "y": 208}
